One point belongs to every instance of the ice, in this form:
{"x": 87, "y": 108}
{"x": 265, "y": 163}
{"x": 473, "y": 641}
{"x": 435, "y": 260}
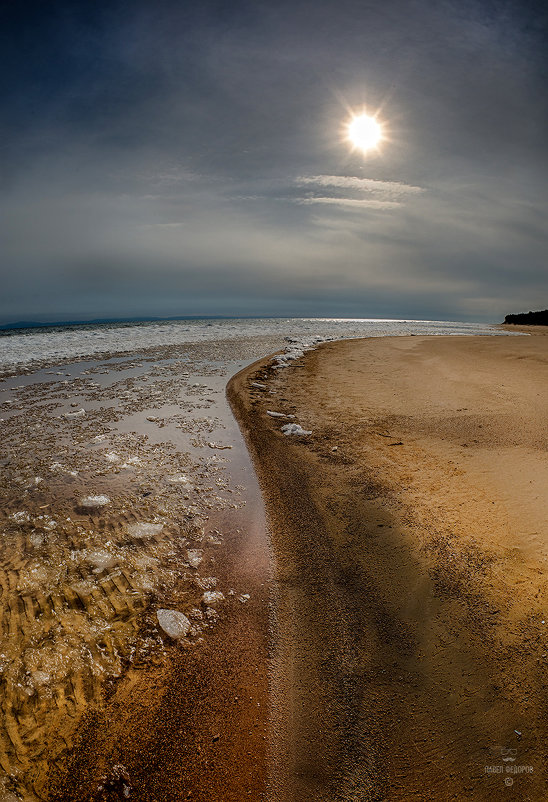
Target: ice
{"x": 58, "y": 467}
{"x": 144, "y": 529}
{"x": 244, "y": 597}
{"x": 7, "y": 796}
{"x": 79, "y": 413}
{"x": 285, "y": 359}
{"x": 294, "y": 428}
{"x": 49, "y": 346}
{"x": 21, "y": 517}
{"x": 100, "y": 559}
{"x": 92, "y": 502}
{"x": 152, "y": 418}
{"x": 112, "y": 456}
{"x": 218, "y": 446}
{"x": 278, "y": 414}
{"x": 99, "y": 438}
{"x": 179, "y": 479}
{"x": 195, "y": 557}
{"x": 207, "y": 582}
{"x": 258, "y": 385}
{"x": 211, "y": 597}
{"x": 173, "y": 623}
{"x": 40, "y": 677}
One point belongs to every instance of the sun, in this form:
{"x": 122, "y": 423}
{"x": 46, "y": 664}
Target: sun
{"x": 364, "y": 132}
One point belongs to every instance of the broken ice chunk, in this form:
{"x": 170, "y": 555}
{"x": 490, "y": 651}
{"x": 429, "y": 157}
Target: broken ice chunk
{"x": 100, "y": 559}
{"x": 195, "y": 557}
{"x": 174, "y": 623}
{"x": 92, "y": 502}
{"x": 207, "y": 582}
{"x": 78, "y": 414}
{"x": 213, "y": 597}
{"x": 142, "y": 529}
{"x": 294, "y": 428}
{"x": 178, "y": 479}
{"x": 278, "y": 414}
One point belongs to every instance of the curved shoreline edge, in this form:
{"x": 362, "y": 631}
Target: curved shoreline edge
{"x": 407, "y": 595}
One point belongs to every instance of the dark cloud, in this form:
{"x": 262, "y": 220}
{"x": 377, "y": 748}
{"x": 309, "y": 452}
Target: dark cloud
{"x": 178, "y": 158}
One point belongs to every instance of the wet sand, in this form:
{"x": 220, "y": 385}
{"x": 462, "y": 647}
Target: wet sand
{"x": 410, "y": 626}
{"x": 98, "y": 701}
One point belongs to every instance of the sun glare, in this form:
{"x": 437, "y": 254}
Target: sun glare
{"x": 364, "y": 132}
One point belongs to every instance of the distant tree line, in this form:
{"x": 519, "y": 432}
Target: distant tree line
{"x": 529, "y": 318}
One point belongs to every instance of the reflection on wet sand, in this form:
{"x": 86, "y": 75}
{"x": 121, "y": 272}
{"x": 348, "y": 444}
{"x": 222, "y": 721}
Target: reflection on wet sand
{"x": 110, "y": 478}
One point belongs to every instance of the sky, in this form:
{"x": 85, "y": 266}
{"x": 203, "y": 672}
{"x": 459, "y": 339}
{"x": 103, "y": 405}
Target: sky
{"x": 180, "y": 158}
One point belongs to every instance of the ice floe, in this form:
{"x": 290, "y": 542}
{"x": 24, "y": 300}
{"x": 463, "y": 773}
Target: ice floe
{"x": 278, "y": 414}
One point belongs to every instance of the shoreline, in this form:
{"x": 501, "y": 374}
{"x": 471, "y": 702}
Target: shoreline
{"x": 409, "y": 589}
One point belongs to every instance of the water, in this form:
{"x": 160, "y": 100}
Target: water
{"x": 30, "y": 347}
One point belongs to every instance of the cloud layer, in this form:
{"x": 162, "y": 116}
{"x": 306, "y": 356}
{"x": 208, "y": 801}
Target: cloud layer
{"x": 175, "y": 158}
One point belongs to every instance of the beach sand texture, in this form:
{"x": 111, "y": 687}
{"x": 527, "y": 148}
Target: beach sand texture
{"x": 410, "y": 628}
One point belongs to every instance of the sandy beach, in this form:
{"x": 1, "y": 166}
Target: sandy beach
{"x": 408, "y": 530}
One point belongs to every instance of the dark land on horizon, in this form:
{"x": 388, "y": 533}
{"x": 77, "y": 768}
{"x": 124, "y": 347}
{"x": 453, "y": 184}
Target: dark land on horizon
{"x": 528, "y": 318}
